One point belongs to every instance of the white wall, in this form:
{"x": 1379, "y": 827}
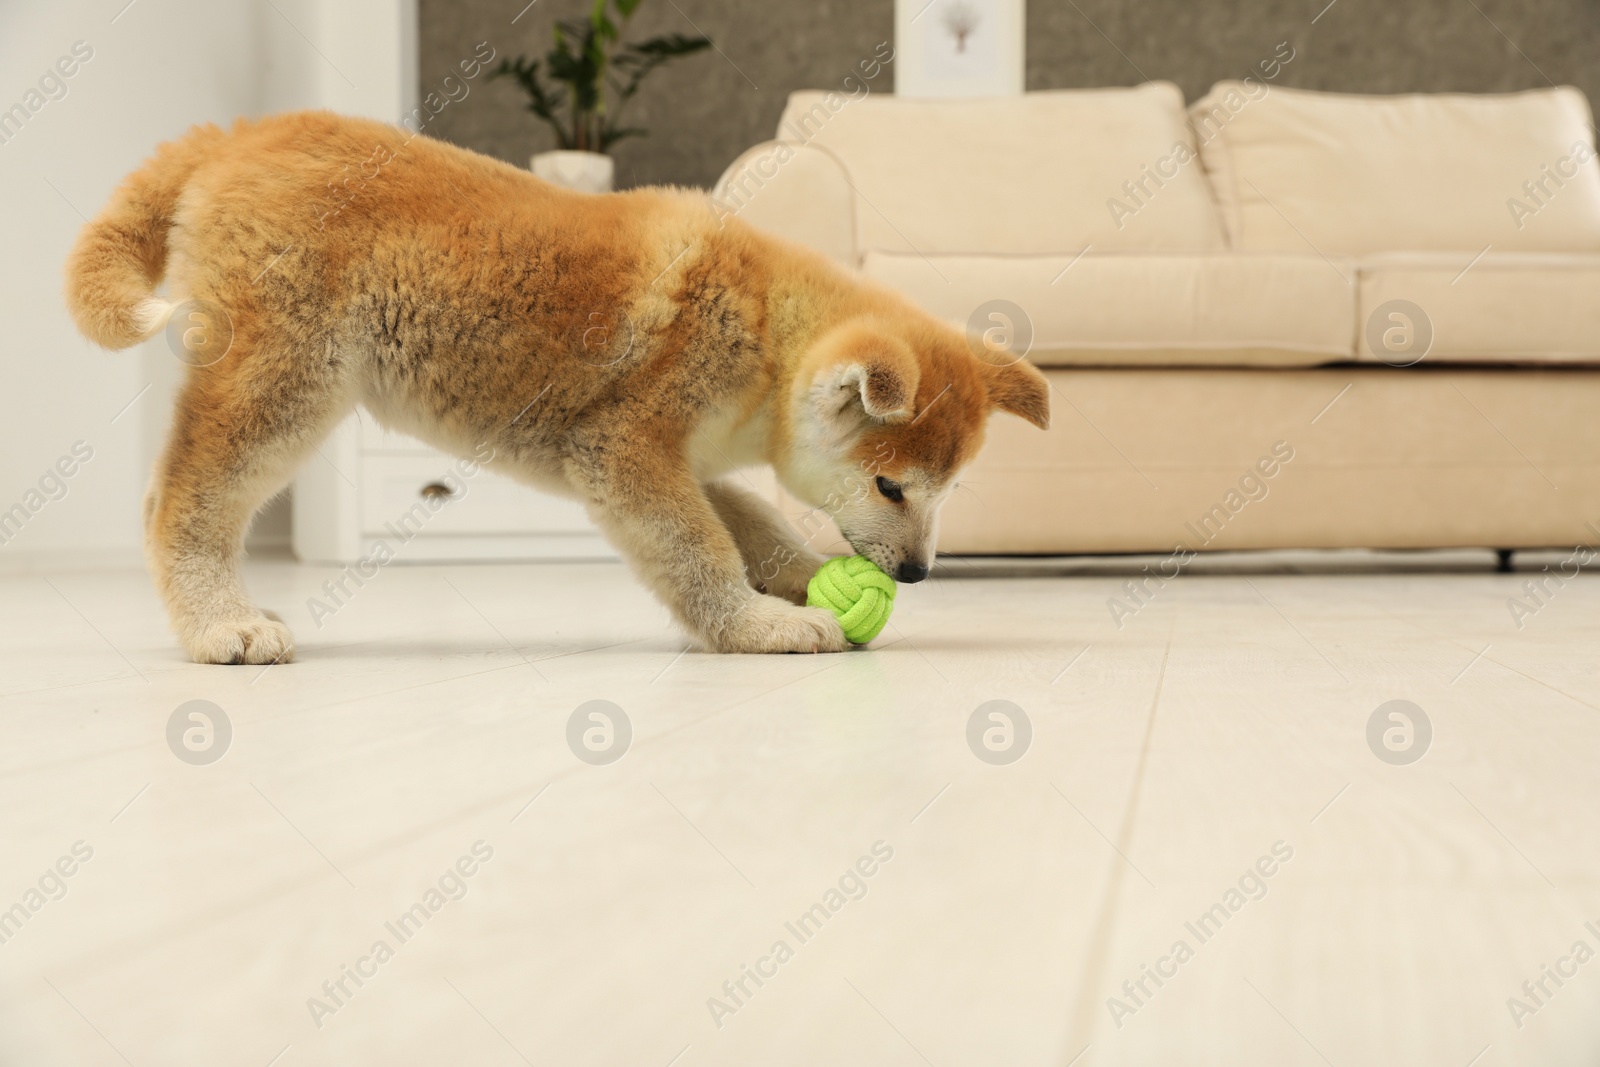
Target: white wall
{"x": 158, "y": 67}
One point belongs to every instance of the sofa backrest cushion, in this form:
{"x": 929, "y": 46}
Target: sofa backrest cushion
{"x": 1038, "y": 173}
{"x": 1353, "y": 175}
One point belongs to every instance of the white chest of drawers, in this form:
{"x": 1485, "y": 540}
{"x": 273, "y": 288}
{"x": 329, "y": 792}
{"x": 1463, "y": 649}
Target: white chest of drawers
{"x": 366, "y": 485}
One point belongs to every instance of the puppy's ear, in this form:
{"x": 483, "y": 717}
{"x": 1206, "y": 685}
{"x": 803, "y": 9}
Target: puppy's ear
{"x": 867, "y": 371}
{"x": 1019, "y": 388}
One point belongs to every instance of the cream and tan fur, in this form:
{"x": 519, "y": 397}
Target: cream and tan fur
{"x": 627, "y": 349}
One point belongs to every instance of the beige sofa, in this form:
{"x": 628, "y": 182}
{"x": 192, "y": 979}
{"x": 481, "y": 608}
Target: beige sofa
{"x": 1276, "y": 318}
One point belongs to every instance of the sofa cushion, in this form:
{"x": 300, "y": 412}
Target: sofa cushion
{"x": 1142, "y": 461}
{"x": 1217, "y": 309}
{"x": 1031, "y": 174}
{"x": 1501, "y": 307}
{"x": 1352, "y": 175}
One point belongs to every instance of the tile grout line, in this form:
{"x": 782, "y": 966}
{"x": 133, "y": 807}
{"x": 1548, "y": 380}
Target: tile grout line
{"x": 1086, "y": 1010}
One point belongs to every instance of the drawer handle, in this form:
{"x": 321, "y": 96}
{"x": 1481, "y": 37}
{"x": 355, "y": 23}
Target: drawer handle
{"x": 437, "y": 491}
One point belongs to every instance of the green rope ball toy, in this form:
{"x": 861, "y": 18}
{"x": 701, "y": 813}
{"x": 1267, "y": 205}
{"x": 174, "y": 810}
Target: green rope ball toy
{"x": 857, "y": 591}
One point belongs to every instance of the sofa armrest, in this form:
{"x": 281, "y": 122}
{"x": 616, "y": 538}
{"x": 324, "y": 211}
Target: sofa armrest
{"x": 798, "y": 191}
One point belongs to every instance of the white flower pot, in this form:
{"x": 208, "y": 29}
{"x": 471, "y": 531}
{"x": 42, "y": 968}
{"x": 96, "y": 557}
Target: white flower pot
{"x": 588, "y": 172}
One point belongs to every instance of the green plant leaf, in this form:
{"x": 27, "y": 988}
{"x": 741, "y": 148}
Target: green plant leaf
{"x": 638, "y": 60}
{"x": 668, "y": 46}
{"x": 588, "y": 64}
{"x": 541, "y": 101}
{"x": 611, "y": 135}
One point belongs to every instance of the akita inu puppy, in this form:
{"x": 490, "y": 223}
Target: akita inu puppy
{"x": 626, "y": 349}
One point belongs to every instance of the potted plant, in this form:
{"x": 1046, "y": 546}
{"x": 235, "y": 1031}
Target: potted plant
{"x": 595, "y": 75}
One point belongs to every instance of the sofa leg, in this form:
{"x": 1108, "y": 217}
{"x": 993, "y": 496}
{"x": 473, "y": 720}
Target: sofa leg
{"x": 1503, "y": 560}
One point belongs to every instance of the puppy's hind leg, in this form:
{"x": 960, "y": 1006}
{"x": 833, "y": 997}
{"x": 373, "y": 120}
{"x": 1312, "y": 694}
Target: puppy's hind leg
{"x": 241, "y": 428}
{"x": 776, "y": 560}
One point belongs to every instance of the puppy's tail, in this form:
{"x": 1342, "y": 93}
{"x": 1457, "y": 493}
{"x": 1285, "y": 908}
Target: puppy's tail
{"x": 120, "y": 257}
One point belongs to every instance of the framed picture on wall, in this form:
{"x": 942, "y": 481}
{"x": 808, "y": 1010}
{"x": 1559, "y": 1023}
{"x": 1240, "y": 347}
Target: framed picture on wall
{"x": 959, "y": 47}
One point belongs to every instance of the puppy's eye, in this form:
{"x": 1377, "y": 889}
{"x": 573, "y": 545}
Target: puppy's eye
{"x": 889, "y": 489}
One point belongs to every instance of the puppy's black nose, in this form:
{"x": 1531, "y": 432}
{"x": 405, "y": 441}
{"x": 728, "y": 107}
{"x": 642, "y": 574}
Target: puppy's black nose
{"x": 911, "y": 572}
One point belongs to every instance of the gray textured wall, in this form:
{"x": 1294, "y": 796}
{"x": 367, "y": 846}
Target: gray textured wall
{"x": 701, "y": 111}
{"x": 706, "y": 109}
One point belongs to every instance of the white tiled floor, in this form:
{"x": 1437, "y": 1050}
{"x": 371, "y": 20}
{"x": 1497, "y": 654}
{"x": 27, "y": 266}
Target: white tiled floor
{"x": 1167, "y": 757}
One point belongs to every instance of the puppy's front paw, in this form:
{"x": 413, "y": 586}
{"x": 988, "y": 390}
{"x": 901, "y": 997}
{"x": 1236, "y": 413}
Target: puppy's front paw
{"x": 766, "y": 624}
{"x": 792, "y": 579}
{"x": 251, "y": 640}
{"x": 790, "y": 583}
